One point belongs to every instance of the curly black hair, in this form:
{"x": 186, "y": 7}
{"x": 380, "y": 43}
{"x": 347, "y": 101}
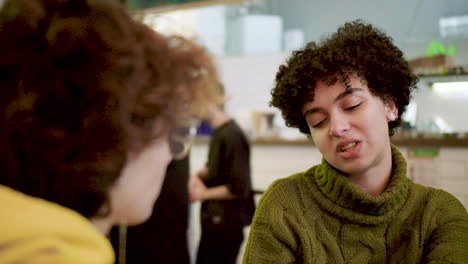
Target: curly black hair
{"x": 356, "y": 47}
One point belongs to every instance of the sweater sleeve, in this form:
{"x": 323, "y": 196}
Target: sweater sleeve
{"x": 273, "y": 237}
{"x": 448, "y": 242}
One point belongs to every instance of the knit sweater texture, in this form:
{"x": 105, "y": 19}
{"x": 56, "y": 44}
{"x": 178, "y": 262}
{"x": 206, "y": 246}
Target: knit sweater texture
{"x": 320, "y": 216}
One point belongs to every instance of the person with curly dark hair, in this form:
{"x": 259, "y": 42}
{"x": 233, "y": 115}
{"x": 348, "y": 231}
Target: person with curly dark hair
{"x": 348, "y": 93}
{"x": 95, "y": 105}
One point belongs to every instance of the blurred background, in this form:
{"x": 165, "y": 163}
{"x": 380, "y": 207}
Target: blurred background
{"x": 250, "y": 39}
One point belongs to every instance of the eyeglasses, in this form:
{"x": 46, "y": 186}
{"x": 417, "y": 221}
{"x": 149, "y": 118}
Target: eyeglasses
{"x": 181, "y": 139}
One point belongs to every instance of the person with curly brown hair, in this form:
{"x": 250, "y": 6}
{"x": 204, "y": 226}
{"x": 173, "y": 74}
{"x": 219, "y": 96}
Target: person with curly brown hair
{"x": 95, "y": 105}
{"x": 348, "y": 93}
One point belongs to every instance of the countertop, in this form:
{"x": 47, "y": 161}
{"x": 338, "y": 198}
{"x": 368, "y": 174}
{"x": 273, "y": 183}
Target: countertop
{"x": 399, "y": 141}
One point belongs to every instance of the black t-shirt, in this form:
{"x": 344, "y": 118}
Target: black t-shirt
{"x": 228, "y": 164}
{"x": 148, "y": 242}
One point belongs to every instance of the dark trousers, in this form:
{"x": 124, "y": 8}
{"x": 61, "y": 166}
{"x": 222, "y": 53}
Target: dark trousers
{"x": 219, "y": 247}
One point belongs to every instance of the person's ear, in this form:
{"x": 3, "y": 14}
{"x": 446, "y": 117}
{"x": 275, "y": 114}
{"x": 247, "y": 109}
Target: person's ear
{"x": 391, "y": 110}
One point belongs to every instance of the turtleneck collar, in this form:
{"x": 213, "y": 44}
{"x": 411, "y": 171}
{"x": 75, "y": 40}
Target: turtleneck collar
{"x": 336, "y": 193}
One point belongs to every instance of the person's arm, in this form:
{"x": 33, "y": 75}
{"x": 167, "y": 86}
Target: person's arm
{"x": 217, "y": 193}
{"x": 199, "y": 192}
{"x": 274, "y": 236}
{"x": 448, "y": 243}
{"x": 202, "y": 173}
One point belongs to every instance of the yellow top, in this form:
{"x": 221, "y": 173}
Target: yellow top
{"x": 34, "y": 230}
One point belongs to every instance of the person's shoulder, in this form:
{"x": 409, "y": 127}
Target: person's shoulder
{"x": 446, "y": 200}
{"x": 232, "y": 127}
{"x": 285, "y": 190}
{"x": 435, "y": 195}
{"x": 441, "y": 202}
{"x": 232, "y": 132}
{"x": 50, "y": 225}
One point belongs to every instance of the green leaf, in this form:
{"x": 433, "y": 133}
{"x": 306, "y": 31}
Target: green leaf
{"x": 452, "y": 50}
{"x": 435, "y": 48}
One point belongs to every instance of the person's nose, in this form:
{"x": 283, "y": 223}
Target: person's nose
{"x": 339, "y": 126}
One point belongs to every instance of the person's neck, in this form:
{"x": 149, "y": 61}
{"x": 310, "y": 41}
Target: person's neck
{"x": 103, "y": 225}
{"x": 219, "y": 119}
{"x": 375, "y": 180}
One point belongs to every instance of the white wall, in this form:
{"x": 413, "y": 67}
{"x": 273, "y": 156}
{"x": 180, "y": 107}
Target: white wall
{"x": 451, "y": 108}
{"x": 210, "y": 27}
{"x": 249, "y": 79}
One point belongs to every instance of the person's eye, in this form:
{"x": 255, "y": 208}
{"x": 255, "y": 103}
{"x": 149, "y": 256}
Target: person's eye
{"x": 319, "y": 124}
{"x": 351, "y": 108}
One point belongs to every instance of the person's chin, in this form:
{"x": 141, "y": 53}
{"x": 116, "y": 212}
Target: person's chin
{"x": 349, "y": 167}
{"x": 144, "y": 213}
{"x": 139, "y": 219}
{"x": 141, "y": 214}
{"x": 144, "y": 218}
{"x": 358, "y": 168}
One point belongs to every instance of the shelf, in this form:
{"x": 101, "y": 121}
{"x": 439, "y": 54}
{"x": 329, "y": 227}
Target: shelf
{"x": 431, "y": 142}
{"x": 399, "y": 141}
{"x": 432, "y": 78}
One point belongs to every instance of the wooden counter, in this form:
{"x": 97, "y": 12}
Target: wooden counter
{"x": 411, "y": 142}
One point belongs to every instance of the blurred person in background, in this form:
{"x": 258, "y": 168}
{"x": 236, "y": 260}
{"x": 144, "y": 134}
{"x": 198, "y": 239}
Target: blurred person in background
{"x": 224, "y": 187}
{"x": 95, "y": 105}
{"x": 348, "y": 94}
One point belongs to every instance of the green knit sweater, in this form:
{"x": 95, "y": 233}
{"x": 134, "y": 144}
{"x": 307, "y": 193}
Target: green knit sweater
{"x": 319, "y": 216}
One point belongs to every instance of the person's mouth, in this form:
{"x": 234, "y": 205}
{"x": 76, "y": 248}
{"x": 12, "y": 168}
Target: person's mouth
{"x": 348, "y": 148}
